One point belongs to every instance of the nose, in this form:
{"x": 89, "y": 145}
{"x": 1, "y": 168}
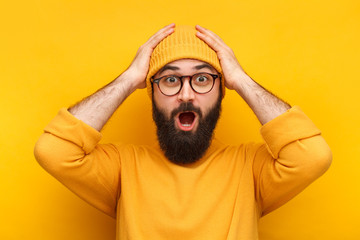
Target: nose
{"x": 186, "y": 93}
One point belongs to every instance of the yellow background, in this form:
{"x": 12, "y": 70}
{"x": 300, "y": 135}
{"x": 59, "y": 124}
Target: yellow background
{"x": 54, "y": 53}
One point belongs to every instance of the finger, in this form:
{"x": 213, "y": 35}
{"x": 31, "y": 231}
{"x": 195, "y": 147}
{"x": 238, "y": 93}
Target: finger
{"x": 147, "y": 48}
{"x": 209, "y": 33}
{"x": 155, "y": 39}
{"x": 167, "y": 27}
{"x": 209, "y": 41}
{"x": 210, "y": 38}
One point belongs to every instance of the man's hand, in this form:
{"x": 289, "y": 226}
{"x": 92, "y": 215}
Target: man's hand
{"x": 96, "y": 109}
{"x": 139, "y": 67}
{"x": 232, "y": 70}
{"x": 264, "y": 104}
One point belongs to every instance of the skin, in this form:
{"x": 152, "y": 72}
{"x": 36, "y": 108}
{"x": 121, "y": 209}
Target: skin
{"x": 96, "y": 109}
{"x": 264, "y": 104}
{"x": 185, "y": 67}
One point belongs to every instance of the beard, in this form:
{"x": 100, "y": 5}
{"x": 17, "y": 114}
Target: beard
{"x": 185, "y": 147}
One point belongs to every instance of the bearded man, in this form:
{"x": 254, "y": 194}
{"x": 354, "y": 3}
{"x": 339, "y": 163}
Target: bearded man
{"x": 190, "y": 186}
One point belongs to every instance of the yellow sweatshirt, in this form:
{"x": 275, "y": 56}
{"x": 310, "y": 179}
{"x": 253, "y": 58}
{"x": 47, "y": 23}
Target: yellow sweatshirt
{"x": 222, "y": 196}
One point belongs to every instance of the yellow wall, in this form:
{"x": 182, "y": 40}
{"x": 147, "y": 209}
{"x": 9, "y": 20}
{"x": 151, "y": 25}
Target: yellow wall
{"x": 53, "y": 53}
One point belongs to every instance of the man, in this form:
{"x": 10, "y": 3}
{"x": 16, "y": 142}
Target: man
{"x": 189, "y": 186}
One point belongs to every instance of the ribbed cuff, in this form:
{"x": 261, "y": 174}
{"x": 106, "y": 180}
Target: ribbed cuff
{"x": 67, "y": 127}
{"x": 290, "y": 126}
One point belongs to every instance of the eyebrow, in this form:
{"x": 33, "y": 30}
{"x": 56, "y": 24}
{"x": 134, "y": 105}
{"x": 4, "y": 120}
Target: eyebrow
{"x": 198, "y": 67}
{"x": 168, "y": 67}
{"x": 205, "y": 65}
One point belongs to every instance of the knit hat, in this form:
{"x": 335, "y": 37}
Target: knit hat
{"x": 183, "y": 43}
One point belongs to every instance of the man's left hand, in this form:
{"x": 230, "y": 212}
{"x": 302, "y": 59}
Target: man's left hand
{"x": 232, "y": 70}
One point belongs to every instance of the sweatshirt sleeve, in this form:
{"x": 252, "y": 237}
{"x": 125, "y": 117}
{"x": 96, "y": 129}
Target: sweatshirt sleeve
{"x": 294, "y": 155}
{"x": 69, "y": 150}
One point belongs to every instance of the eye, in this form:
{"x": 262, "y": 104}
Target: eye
{"x": 202, "y": 79}
{"x": 171, "y": 79}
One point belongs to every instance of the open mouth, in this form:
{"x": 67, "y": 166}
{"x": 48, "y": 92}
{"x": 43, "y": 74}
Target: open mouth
{"x": 186, "y": 120}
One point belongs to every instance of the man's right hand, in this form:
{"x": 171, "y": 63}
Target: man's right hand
{"x": 96, "y": 109}
{"x": 139, "y": 67}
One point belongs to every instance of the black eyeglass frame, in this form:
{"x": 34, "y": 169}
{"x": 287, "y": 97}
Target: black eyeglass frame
{"x": 214, "y": 76}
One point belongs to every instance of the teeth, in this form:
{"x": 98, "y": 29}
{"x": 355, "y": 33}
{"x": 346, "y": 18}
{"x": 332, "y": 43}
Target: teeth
{"x": 186, "y": 125}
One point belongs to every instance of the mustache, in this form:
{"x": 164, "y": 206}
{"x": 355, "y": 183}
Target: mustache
{"x": 186, "y": 107}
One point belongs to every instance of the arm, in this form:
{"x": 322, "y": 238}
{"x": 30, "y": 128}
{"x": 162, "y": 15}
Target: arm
{"x": 69, "y": 150}
{"x": 264, "y": 104}
{"x": 97, "y": 109}
{"x": 294, "y": 154}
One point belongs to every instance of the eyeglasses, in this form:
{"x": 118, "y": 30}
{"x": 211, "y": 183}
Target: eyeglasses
{"x": 171, "y": 85}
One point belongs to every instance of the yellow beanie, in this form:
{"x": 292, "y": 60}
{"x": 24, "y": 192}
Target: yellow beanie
{"x": 183, "y": 43}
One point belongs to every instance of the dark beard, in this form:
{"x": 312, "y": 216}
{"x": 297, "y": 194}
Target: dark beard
{"x": 182, "y": 147}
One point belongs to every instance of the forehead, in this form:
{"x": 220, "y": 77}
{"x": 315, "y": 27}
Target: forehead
{"x": 186, "y": 65}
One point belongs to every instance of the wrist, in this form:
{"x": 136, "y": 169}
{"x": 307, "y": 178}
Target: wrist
{"x": 132, "y": 80}
{"x": 241, "y": 81}
{"x": 126, "y": 82}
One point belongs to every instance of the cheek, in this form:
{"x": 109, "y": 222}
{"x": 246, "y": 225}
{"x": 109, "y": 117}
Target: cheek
{"x": 209, "y": 100}
{"x": 158, "y": 98}
{"x": 163, "y": 103}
